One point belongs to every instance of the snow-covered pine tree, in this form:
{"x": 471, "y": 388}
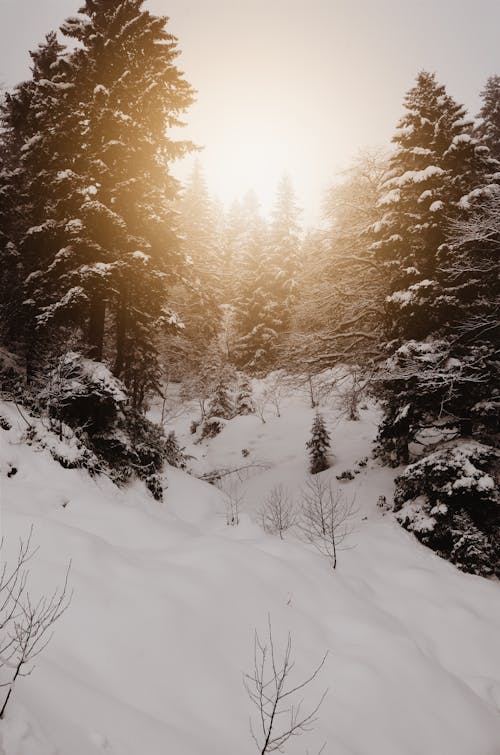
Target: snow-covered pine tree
{"x": 489, "y": 126}
{"x": 200, "y": 293}
{"x": 437, "y": 170}
{"x": 285, "y": 242}
{"x": 257, "y": 319}
{"x": 244, "y": 401}
{"x": 120, "y": 250}
{"x": 221, "y": 404}
{"x": 37, "y": 126}
{"x": 318, "y": 445}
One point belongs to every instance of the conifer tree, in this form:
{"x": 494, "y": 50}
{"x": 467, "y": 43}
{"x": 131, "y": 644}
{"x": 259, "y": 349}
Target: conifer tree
{"x": 318, "y": 445}
{"x": 437, "y": 172}
{"x": 256, "y": 308}
{"x": 489, "y": 126}
{"x": 221, "y": 404}
{"x": 36, "y": 137}
{"x": 98, "y": 248}
{"x": 202, "y": 290}
{"x": 285, "y": 250}
{"x": 244, "y": 400}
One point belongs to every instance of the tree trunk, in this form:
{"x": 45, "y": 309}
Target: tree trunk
{"x": 96, "y": 328}
{"x": 121, "y": 334}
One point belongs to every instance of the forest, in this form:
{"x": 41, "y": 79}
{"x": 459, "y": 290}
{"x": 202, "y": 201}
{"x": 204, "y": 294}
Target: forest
{"x": 119, "y": 284}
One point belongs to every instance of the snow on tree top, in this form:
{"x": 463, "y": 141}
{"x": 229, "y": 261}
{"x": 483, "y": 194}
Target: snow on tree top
{"x": 138, "y": 255}
{"x": 416, "y": 176}
{"x": 392, "y": 197}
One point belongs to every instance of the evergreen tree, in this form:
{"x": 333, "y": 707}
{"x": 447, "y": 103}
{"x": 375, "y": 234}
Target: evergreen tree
{"x": 256, "y": 308}
{"x": 201, "y": 293}
{"x": 318, "y": 445}
{"x": 436, "y": 173}
{"x": 244, "y": 400}
{"x": 37, "y": 138}
{"x": 221, "y": 404}
{"x": 131, "y": 94}
{"x": 285, "y": 250}
{"x": 489, "y": 126}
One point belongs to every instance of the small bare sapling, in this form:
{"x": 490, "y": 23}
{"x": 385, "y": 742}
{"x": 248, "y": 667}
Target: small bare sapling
{"x": 326, "y": 517}
{"x": 280, "y": 714}
{"x": 278, "y": 512}
{"x": 25, "y": 625}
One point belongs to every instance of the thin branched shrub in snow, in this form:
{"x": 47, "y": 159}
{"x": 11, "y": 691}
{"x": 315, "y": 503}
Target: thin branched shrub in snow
{"x": 26, "y": 625}
{"x": 325, "y": 517}
{"x": 278, "y": 700}
{"x": 278, "y": 512}
{"x": 449, "y": 500}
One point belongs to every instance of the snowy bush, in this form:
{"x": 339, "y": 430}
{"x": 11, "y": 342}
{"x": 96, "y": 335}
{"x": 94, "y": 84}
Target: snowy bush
{"x": 212, "y": 427}
{"x": 450, "y": 502}
{"x": 84, "y": 395}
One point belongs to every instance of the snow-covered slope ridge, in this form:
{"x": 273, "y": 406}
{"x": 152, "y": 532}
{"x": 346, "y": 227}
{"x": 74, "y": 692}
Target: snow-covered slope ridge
{"x": 148, "y": 660}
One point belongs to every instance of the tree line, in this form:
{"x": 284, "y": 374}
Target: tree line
{"x": 114, "y": 278}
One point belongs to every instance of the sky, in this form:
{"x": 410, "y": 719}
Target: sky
{"x": 297, "y": 86}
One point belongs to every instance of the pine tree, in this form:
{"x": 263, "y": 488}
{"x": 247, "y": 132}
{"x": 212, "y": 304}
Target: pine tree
{"x": 221, "y": 404}
{"x": 489, "y": 127}
{"x": 244, "y": 400}
{"x": 201, "y": 293}
{"x": 256, "y": 308}
{"x": 436, "y": 173}
{"x": 285, "y": 244}
{"x": 318, "y": 445}
{"x": 36, "y": 136}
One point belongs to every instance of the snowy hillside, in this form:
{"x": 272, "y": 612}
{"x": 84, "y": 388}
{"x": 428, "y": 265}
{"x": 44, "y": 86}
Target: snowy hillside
{"x": 149, "y": 659}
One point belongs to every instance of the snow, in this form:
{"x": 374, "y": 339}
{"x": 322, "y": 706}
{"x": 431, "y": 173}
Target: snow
{"x": 391, "y": 197}
{"x": 141, "y": 257}
{"x": 150, "y": 655}
{"x": 416, "y": 176}
{"x": 436, "y": 206}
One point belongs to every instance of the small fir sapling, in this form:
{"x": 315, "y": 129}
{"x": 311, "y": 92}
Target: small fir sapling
{"x": 244, "y": 401}
{"x": 319, "y": 446}
{"x": 221, "y": 404}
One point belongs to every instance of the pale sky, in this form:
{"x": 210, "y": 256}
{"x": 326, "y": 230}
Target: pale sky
{"x": 295, "y": 85}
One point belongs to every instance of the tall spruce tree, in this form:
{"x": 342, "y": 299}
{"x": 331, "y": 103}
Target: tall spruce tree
{"x": 437, "y": 172}
{"x": 98, "y": 245}
{"x": 285, "y": 233}
{"x": 489, "y": 126}
{"x": 257, "y": 318}
{"x": 36, "y": 138}
{"x": 203, "y": 292}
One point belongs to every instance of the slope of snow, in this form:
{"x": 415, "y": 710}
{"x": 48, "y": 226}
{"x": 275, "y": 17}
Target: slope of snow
{"x": 150, "y": 655}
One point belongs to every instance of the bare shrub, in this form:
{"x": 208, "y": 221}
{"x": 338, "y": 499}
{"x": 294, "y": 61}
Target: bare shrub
{"x": 280, "y": 716}
{"x": 25, "y": 625}
{"x": 231, "y": 487}
{"x": 325, "y": 517}
{"x": 278, "y": 512}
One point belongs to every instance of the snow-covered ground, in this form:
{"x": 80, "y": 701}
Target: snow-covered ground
{"x": 149, "y": 658}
